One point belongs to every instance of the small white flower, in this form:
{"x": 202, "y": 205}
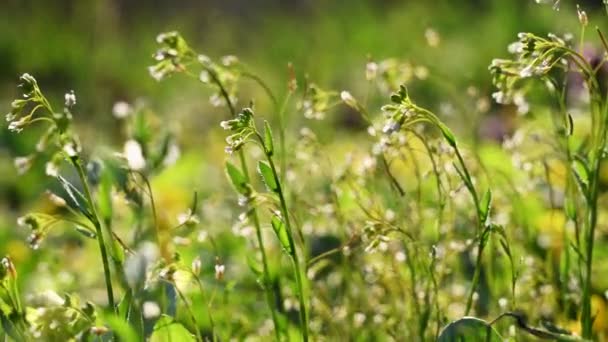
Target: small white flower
{"x": 204, "y": 76}
{"x": 225, "y": 124}
{"x": 359, "y": 319}
{"x": 56, "y": 200}
{"x": 371, "y": 70}
{"x": 70, "y": 99}
{"x": 150, "y": 310}
{"x": 51, "y": 169}
{"x": 134, "y": 155}
{"x": 348, "y": 99}
{"x": 229, "y": 60}
{"x": 219, "y": 271}
{"x": 121, "y": 110}
{"x": 23, "y": 164}
{"x": 196, "y": 265}
{"x": 70, "y": 149}
{"x": 503, "y": 302}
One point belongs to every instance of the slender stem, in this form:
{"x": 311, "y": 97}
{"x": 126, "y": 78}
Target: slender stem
{"x": 208, "y": 304}
{"x": 253, "y": 213}
{"x": 97, "y": 223}
{"x": 199, "y": 337}
{"x": 294, "y": 253}
{"x": 267, "y": 287}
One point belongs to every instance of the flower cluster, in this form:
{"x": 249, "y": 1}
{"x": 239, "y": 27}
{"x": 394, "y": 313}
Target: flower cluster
{"x": 533, "y": 57}
{"x": 34, "y": 107}
{"x": 241, "y": 127}
{"x": 317, "y": 102}
{"x": 175, "y": 56}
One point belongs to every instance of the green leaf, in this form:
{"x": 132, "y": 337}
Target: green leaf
{"x": 469, "y": 329}
{"x": 124, "y": 307}
{"x": 570, "y": 208}
{"x": 105, "y": 195}
{"x": 570, "y": 125}
{"x": 239, "y": 182}
{"x": 167, "y": 330}
{"x": 77, "y": 199}
{"x": 86, "y": 232}
{"x": 122, "y": 329}
{"x": 279, "y": 228}
{"x": 485, "y": 205}
{"x": 268, "y": 139}
{"x": 268, "y": 176}
{"x": 581, "y": 174}
{"x": 447, "y": 134}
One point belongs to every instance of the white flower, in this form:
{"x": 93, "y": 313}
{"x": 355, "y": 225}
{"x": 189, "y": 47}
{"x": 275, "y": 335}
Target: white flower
{"x": 121, "y": 110}
{"x": 150, "y": 310}
{"x": 196, "y": 265}
{"x": 70, "y": 149}
{"x": 219, "y": 271}
{"x": 70, "y": 99}
{"x": 348, "y": 99}
{"x": 371, "y": 70}
{"x": 23, "y": 164}
{"x": 134, "y": 155}
{"x": 359, "y": 319}
{"x": 51, "y": 169}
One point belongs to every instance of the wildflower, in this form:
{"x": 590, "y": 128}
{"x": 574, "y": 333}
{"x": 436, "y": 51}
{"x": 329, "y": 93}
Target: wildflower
{"x": 188, "y": 218}
{"x": 121, "y": 110}
{"x": 371, "y": 70}
{"x": 196, "y": 266}
{"x": 99, "y": 330}
{"x": 56, "y": 200}
{"x": 134, "y": 155}
{"x": 51, "y": 169}
{"x": 71, "y": 149}
{"x": 219, "y": 270}
{"x": 582, "y": 16}
{"x": 23, "y": 164}
{"x": 70, "y": 99}
{"x": 8, "y": 265}
{"x": 348, "y": 99}
{"x": 359, "y": 319}
{"x": 150, "y": 310}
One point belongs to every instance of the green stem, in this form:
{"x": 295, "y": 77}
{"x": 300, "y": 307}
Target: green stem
{"x": 199, "y": 337}
{"x": 253, "y": 212}
{"x": 97, "y": 223}
{"x": 294, "y": 253}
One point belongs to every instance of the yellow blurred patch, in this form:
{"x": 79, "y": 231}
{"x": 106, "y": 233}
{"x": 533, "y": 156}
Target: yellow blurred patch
{"x": 550, "y": 225}
{"x": 18, "y": 251}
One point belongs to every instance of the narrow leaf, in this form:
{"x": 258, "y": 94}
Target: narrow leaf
{"x": 268, "y": 139}
{"x": 279, "y": 228}
{"x": 86, "y": 232}
{"x": 239, "y": 182}
{"x": 447, "y": 134}
{"x": 77, "y": 199}
{"x": 485, "y": 205}
{"x": 268, "y": 176}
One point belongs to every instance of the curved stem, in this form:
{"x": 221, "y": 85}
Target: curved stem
{"x": 97, "y": 223}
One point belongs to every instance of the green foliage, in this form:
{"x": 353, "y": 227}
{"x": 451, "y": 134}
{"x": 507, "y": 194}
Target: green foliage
{"x": 389, "y": 231}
